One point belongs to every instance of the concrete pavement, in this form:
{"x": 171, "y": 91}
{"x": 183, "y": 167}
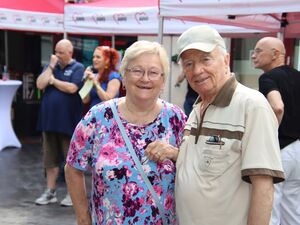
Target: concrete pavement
{"x": 21, "y": 182}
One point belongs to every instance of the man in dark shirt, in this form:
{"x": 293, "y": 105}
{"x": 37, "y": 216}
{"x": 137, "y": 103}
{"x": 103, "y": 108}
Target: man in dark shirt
{"x": 190, "y": 97}
{"x": 61, "y": 110}
{"x": 281, "y": 86}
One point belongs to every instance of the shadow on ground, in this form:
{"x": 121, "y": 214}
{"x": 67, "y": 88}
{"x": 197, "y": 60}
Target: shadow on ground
{"x": 21, "y": 182}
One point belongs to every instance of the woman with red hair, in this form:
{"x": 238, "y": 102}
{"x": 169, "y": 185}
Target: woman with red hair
{"x": 106, "y": 79}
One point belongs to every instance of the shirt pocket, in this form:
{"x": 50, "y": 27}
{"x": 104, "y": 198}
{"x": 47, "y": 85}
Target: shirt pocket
{"x": 214, "y": 160}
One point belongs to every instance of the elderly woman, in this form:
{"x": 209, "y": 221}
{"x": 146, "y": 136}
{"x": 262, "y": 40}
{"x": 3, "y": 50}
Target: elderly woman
{"x": 154, "y": 127}
{"x": 106, "y": 79}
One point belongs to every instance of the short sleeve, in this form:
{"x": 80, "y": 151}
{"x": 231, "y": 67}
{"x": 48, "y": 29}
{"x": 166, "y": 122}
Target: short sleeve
{"x": 114, "y": 75}
{"x": 78, "y": 74}
{"x": 80, "y": 150}
{"x": 260, "y": 146}
{"x": 266, "y": 84}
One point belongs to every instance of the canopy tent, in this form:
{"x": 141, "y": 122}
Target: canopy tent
{"x": 128, "y": 17}
{"x": 141, "y": 17}
{"x": 271, "y": 16}
{"x": 112, "y": 17}
{"x": 32, "y": 15}
{"x": 99, "y": 16}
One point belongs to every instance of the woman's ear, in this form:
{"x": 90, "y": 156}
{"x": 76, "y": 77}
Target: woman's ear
{"x": 124, "y": 81}
{"x": 163, "y": 84}
{"x": 106, "y": 63}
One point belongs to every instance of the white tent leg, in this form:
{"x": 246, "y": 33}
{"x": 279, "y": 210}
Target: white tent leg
{"x": 6, "y": 48}
{"x": 280, "y": 35}
{"x": 160, "y": 29}
{"x": 170, "y": 73}
{"x": 113, "y": 41}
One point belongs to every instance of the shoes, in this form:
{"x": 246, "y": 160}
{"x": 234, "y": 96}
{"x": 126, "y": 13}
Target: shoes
{"x": 47, "y": 197}
{"x": 66, "y": 201}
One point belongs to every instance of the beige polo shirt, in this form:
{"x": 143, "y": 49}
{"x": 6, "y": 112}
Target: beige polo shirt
{"x": 237, "y": 138}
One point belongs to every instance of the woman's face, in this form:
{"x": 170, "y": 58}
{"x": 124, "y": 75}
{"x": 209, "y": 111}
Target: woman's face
{"x": 99, "y": 60}
{"x": 144, "y": 77}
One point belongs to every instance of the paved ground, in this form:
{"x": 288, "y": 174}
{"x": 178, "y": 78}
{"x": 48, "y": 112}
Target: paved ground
{"x": 21, "y": 182}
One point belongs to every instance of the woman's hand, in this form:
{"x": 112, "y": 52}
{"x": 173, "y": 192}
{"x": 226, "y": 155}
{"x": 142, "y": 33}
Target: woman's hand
{"x": 88, "y": 74}
{"x": 159, "y": 151}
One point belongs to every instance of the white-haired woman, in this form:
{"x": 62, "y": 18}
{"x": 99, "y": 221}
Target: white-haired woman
{"x": 132, "y": 182}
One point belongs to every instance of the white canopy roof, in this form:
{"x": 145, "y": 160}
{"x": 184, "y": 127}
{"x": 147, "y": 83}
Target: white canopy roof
{"x": 268, "y": 15}
{"x": 32, "y": 15}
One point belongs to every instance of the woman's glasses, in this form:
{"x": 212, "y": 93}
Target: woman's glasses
{"x": 153, "y": 74}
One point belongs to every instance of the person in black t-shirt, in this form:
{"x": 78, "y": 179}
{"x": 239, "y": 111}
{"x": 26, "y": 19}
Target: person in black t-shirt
{"x": 281, "y": 86}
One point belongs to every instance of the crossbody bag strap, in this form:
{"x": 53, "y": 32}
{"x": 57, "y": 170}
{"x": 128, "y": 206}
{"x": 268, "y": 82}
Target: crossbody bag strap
{"x": 137, "y": 162}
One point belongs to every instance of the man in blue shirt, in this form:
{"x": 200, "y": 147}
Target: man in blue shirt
{"x": 61, "y": 110}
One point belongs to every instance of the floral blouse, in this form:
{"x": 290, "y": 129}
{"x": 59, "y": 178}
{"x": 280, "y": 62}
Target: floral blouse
{"x": 119, "y": 194}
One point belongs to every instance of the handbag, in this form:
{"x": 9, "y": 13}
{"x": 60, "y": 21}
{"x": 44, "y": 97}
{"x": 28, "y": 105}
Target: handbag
{"x": 137, "y": 162}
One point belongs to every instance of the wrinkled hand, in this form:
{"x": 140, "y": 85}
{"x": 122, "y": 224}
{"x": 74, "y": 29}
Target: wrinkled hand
{"x": 159, "y": 151}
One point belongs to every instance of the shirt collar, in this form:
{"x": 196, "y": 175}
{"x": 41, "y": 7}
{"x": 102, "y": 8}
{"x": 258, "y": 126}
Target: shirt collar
{"x": 225, "y": 94}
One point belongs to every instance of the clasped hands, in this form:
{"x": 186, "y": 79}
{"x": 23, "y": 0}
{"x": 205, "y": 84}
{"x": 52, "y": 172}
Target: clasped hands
{"x": 160, "y": 150}
{"x": 52, "y": 64}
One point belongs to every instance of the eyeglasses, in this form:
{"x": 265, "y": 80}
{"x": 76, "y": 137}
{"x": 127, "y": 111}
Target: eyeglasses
{"x": 153, "y": 74}
{"x": 256, "y": 51}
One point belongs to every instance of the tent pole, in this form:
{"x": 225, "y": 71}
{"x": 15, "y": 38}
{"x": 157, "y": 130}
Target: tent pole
{"x": 65, "y": 35}
{"x": 113, "y": 41}
{"x": 160, "y": 29}
{"x": 280, "y": 35}
{"x": 6, "y": 48}
{"x": 171, "y": 67}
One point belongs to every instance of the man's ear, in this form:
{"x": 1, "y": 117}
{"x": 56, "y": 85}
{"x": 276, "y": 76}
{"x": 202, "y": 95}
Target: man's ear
{"x": 276, "y": 53}
{"x": 227, "y": 59}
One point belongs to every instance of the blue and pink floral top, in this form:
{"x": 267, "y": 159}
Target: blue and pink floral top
{"x": 119, "y": 194}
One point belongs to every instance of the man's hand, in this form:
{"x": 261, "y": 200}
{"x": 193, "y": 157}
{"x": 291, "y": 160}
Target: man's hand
{"x": 53, "y": 61}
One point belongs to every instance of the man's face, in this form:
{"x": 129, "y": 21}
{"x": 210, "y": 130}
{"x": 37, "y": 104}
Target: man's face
{"x": 262, "y": 56}
{"x": 205, "y": 71}
{"x": 63, "y": 54}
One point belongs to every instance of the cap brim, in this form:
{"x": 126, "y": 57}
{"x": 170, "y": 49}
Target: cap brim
{"x": 204, "y": 47}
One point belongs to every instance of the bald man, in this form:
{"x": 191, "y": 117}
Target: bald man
{"x": 61, "y": 110}
{"x": 281, "y": 86}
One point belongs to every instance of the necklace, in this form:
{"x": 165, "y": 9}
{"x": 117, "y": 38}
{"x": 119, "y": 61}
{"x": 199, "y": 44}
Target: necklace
{"x": 140, "y": 118}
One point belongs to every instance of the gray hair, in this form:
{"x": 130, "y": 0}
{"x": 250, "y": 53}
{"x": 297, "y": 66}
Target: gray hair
{"x": 140, "y": 47}
{"x": 222, "y": 50}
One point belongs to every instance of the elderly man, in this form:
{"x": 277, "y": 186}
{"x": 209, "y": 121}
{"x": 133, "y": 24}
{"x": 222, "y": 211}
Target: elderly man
{"x": 230, "y": 157}
{"x": 61, "y": 110}
{"x": 280, "y": 85}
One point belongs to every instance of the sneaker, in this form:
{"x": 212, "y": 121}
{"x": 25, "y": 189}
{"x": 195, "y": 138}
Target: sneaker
{"x": 47, "y": 197}
{"x": 66, "y": 201}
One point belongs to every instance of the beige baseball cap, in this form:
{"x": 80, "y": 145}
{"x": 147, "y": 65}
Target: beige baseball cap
{"x": 203, "y": 38}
